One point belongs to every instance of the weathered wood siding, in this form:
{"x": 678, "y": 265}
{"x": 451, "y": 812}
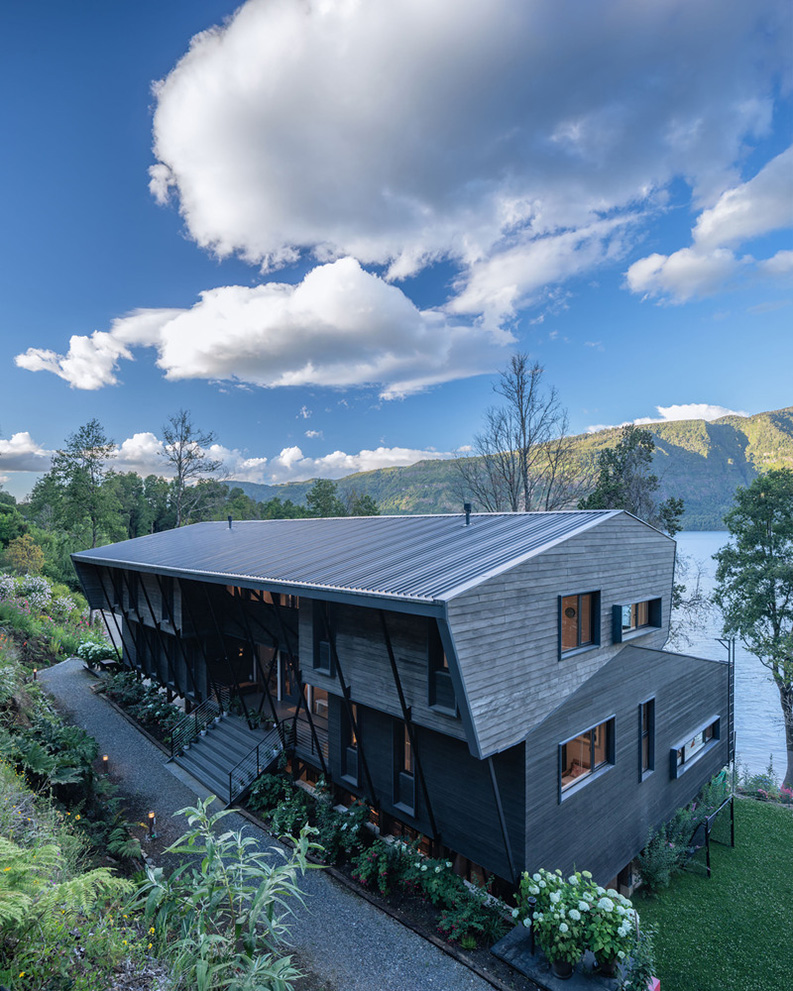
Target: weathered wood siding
{"x": 506, "y": 630}
{"x": 603, "y": 823}
{"x": 364, "y": 661}
{"x": 459, "y": 787}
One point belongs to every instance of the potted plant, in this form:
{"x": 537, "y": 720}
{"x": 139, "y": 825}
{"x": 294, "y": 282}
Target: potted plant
{"x": 610, "y": 924}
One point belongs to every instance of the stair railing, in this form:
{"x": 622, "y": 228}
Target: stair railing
{"x": 258, "y": 760}
{"x": 190, "y": 726}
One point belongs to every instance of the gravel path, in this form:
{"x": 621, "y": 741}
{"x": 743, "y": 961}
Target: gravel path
{"x": 350, "y": 943}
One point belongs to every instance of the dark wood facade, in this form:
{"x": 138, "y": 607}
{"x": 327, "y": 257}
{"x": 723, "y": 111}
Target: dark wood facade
{"x": 449, "y": 715}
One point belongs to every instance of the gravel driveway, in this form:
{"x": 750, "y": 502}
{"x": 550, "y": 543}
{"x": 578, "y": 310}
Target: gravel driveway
{"x": 341, "y": 941}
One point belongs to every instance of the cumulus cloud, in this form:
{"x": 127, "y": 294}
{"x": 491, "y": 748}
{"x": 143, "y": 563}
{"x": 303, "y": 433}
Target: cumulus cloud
{"x": 757, "y": 207}
{"x": 292, "y": 465}
{"x": 340, "y": 326}
{"x": 681, "y": 411}
{"x": 142, "y": 453}
{"x": 22, "y": 453}
{"x": 403, "y": 133}
{"x": 92, "y": 360}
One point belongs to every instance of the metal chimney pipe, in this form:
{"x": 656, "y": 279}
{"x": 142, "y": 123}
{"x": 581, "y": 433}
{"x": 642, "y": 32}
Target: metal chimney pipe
{"x": 467, "y": 508}
{"x": 229, "y": 522}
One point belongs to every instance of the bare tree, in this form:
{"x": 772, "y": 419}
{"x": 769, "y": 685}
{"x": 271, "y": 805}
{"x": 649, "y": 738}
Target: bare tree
{"x": 184, "y": 449}
{"x": 522, "y": 458}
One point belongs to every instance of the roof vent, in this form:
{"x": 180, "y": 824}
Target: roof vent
{"x": 467, "y": 508}
{"x": 229, "y": 522}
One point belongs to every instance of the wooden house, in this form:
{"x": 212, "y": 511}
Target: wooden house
{"x": 494, "y": 684}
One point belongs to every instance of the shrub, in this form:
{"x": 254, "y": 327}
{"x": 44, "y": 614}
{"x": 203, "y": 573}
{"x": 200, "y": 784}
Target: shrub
{"x": 471, "y": 922}
{"x": 234, "y": 949}
{"x": 339, "y": 833}
{"x": 378, "y": 866}
{"x": 292, "y": 814}
{"x": 267, "y": 792}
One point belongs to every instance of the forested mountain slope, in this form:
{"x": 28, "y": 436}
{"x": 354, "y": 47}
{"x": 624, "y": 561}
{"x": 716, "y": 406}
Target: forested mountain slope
{"x": 700, "y": 462}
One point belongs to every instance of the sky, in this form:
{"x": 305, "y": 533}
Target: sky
{"x": 323, "y": 226}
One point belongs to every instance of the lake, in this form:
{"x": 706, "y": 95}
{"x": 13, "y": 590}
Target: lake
{"x": 759, "y": 728}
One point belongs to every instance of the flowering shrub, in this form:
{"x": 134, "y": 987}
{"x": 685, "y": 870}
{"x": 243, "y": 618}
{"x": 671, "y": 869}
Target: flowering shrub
{"x": 8, "y": 587}
{"x": 36, "y": 589}
{"x": 92, "y": 651}
{"x": 574, "y": 914}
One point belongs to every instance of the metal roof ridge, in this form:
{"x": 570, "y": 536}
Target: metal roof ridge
{"x": 603, "y": 515}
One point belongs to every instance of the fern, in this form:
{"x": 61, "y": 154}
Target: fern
{"x": 28, "y": 895}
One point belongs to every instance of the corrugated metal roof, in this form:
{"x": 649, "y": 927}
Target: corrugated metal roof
{"x": 415, "y": 558}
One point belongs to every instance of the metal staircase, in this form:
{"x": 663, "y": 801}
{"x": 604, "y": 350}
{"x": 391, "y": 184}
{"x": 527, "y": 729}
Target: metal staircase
{"x": 227, "y": 756}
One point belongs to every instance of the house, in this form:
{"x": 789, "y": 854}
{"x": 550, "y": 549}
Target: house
{"x": 493, "y": 684}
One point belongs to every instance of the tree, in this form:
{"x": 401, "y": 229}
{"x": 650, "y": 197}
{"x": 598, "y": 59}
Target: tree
{"x": 754, "y": 578}
{"x": 323, "y": 500}
{"x": 184, "y": 450}
{"x": 625, "y": 481}
{"x": 358, "y": 503}
{"x": 12, "y": 523}
{"x": 522, "y": 457}
{"x": 81, "y": 469}
{"x": 25, "y": 556}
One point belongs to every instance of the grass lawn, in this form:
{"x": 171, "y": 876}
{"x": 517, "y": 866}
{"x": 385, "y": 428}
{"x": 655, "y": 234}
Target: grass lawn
{"x": 733, "y": 931}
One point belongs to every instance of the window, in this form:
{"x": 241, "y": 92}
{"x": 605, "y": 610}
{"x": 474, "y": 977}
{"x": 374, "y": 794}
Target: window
{"x": 636, "y": 618}
{"x": 579, "y": 621}
{"x": 439, "y": 679}
{"x": 323, "y": 657}
{"x": 646, "y": 738}
{"x": 349, "y": 742}
{"x": 405, "y": 787}
{"x": 586, "y": 754}
{"x": 690, "y": 750}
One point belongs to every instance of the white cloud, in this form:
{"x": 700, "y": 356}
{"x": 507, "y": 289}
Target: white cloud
{"x": 341, "y": 326}
{"x": 402, "y": 133}
{"x": 683, "y": 275}
{"x": 292, "y": 465}
{"x": 313, "y": 433}
{"x": 681, "y": 411}
{"x": 92, "y": 361}
{"x": 22, "y": 453}
{"x": 759, "y": 206}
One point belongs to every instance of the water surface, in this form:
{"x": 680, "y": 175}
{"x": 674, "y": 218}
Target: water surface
{"x": 759, "y": 727}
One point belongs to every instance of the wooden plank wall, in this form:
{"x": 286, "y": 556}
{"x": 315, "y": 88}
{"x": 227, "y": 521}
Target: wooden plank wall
{"x": 604, "y": 823}
{"x": 459, "y": 787}
{"x": 506, "y": 631}
{"x": 367, "y": 670}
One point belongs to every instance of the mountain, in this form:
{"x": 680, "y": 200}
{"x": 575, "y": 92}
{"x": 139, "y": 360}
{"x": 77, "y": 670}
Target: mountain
{"x": 701, "y": 462}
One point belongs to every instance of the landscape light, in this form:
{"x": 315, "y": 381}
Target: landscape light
{"x": 152, "y": 824}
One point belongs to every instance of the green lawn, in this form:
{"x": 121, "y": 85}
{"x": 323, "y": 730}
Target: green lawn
{"x": 734, "y": 931}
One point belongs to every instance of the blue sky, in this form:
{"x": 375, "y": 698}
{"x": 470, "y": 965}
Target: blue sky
{"x": 322, "y": 227}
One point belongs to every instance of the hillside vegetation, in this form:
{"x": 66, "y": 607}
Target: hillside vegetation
{"x": 702, "y": 463}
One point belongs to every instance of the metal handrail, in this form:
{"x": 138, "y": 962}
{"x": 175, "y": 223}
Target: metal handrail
{"x": 190, "y": 726}
{"x": 254, "y": 763}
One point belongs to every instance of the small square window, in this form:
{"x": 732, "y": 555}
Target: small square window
{"x": 585, "y": 754}
{"x": 579, "y": 621}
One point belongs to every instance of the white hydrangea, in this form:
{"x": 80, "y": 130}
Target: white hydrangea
{"x": 575, "y": 915}
{"x": 515, "y": 913}
{"x": 583, "y": 906}
{"x": 563, "y": 927}
{"x": 7, "y": 587}
{"x": 555, "y": 897}
{"x": 606, "y": 904}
